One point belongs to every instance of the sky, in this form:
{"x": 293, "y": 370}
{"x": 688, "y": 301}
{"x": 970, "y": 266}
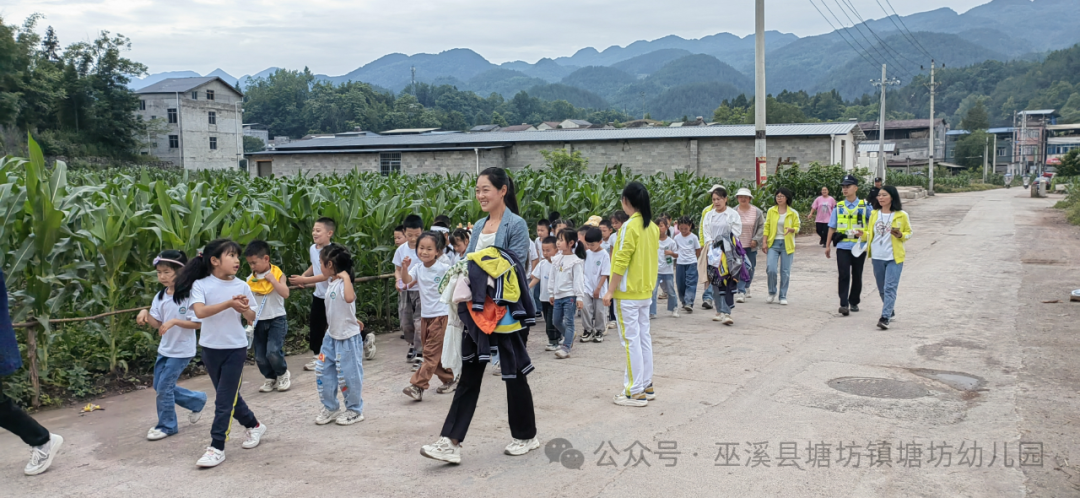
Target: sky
{"x": 334, "y": 37}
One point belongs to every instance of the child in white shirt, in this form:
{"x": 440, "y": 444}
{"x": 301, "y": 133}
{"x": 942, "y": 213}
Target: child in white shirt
{"x": 567, "y": 287}
{"x": 433, "y": 317}
{"x": 596, "y": 271}
{"x": 540, "y": 282}
{"x": 341, "y": 364}
{"x": 686, "y": 277}
{"x": 665, "y": 274}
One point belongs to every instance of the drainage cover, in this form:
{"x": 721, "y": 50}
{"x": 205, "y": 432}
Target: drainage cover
{"x": 878, "y": 388}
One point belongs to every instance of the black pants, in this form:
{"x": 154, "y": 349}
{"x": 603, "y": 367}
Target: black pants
{"x": 15, "y": 420}
{"x": 519, "y": 404}
{"x": 226, "y": 368}
{"x": 549, "y": 324}
{"x": 316, "y": 324}
{"x": 823, "y": 232}
{"x": 850, "y": 276}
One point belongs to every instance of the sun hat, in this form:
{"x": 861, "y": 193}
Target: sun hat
{"x": 594, "y": 221}
{"x": 716, "y": 187}
{"x": 744, "y": 191}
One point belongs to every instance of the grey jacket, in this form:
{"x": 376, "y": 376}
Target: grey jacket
{"x": 513, "y": 235}
{"x": 759, "y": 228}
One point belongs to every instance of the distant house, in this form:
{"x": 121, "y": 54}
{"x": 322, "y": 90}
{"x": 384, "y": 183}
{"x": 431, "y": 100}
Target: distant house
{"x": 640, "y": 123}
{"x": 571, "y": 124}
{"x": 912, "y": 139}
{"x": 202, "y": 122}
{"x": 951, "y": 137}
{"x": 520, "y": 127}
{"x": 1003, "y": 157}
{"x": 484, "y": 128}
{"x": 548, "y": 125}
{"x": 700, "y": 121}
{"x": 867, "y": 154}
{"x": 409, "y": 131}
{"x": 256, "y": 130}
{"x": 1063, "y": 138}
{"x": 1031, "y": 134}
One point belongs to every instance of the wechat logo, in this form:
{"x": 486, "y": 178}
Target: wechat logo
{"x": 560, "y": 450}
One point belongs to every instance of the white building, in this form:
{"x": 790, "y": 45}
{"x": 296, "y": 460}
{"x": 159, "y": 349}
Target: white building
{"x": 202, "y": 121}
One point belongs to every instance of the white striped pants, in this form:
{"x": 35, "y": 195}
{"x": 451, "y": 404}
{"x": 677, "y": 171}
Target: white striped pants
{"x": 632, "y": 315}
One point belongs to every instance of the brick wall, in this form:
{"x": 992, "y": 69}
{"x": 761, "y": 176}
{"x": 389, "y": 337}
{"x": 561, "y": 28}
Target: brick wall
{"x": 411, "y": 162}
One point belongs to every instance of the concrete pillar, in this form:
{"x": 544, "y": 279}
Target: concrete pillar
{"x": 694, "y": 166}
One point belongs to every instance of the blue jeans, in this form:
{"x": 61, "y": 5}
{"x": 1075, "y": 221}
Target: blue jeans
{"x": 536, "y": 298}
{"x": 751, "y": 258}
{"x": 341, "y": 368}
{"x": 686, "y": 279}
{"x": 269, "y": 346}
{"x": 708, "y": 294}
{"x": 166, "y": 372}
{"x": 725, "y": 298}
{"x": 562, "y": 314}
{"x": 887, "y": 274}
{"x": 668, "y": 281}
{"x": 777, "y": 253}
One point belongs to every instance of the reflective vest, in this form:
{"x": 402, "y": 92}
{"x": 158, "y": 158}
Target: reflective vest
{"x": 849, "y": 220}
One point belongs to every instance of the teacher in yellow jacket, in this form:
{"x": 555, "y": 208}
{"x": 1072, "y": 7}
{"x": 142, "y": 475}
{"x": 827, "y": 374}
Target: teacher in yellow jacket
{"x": 633, "y": 277}
{"x": 889, "y": 229}
{"x": 781, "y": 225}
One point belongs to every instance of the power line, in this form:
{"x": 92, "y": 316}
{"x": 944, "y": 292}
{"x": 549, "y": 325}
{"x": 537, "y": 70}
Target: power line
{"x": 841, "y": 34}
{"x": 906, "y": 34}
{"x": 884, "y": 45}
{"x": 904, "y": 24}
{"x": 848, "y": 31}
{"x": 871, "y": 44}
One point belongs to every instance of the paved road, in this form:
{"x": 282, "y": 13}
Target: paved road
{"x": 980, "y": 265}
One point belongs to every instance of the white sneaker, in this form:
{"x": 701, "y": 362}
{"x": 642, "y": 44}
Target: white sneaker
{"x": 718, "y": 317}
{"x": 326, "y": 416}
{"x": 496, "y": 369}
{"x": 254, "y": 435}
{"x": 610, "y": 326}
{"x": 520, "y": 447}
{"x": 310, "y": 366}
{"x": 771, "y": 299}
{"x": 284, "y": 382}
{"x": 675, "y": 313}
{"x": 212, "y": 458}
{"x": 443, "y": 450}
{"x": 726, "y": 319}
{"x": 783, "y": 302}
{"x": 369, "y": 347}
{"x": 747, "y": 294}
{"x": 41, "y": 457}
{"x": 155, "y": 435}
{"x": 268, "y": 385}
{"x": 740, "y": 298}
{"x": 349, "y": 418}
{"x": 194, "y": 417}
{"x": 637, "y": 400}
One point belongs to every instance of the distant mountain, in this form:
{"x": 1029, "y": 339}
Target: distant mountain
{"x": 545, "y": 69}
{"x": 724, "y": 46}
{"x": 699, "y": 68}
{"x": 603, "y": 81}
{"x": 691, "y": 100}
{"x": 573, "y": 95}
{"x": 505, "y": 82}
{"x": 137, "y": 83}
{"x": 230, "y": 79}
{"x": 394, "y": 71}
{"x": 644, "y": 65}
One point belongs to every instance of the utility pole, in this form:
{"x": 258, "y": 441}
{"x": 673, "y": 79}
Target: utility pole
{"x": 881, "y": 121}
{"x": 414, "y": 80}
{"x": 933, "y": 146}
{"x": 760, "y": 161}
{"x": 986, "y": 148}
{"x": 993, "y": 158}
{"x": 643, "y": 105}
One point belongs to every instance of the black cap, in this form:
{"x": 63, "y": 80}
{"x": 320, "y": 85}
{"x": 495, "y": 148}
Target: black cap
{"x": 850, "y": 180}
{"x": 878, "y": 179}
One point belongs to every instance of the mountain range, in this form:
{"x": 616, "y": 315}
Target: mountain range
{"x": 681, "y": 76}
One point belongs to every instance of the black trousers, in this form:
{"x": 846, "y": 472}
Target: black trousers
{"x": 519, "y": 404}
{"x": 823, "y": 232}
{"x": 316, "y": 324}
{"x": 549, "y": 324}
{"x": 226, "y": 368}
{"x": 16, "y": 421}
{"x": 850, "y": 276}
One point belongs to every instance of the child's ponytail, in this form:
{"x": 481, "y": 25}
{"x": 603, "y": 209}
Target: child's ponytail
{"x": 339, "y": 258}
{"x": 199, "y": 267}
{"x": 571, "y": 239}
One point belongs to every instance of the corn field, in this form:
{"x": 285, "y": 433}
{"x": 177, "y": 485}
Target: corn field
{"x": 80, "y": 243}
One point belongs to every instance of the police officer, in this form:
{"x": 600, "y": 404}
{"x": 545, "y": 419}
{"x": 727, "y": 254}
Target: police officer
{"x": 872, "y": 198}
{"x": 848, "y": 221}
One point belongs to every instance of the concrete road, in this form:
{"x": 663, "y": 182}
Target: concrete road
{"x": 746, "y": 410}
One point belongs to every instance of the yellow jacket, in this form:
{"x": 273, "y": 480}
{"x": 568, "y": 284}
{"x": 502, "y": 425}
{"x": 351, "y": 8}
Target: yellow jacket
{"x": 790, "y": 221}
{"x": 634, "y": 257}
{"x": 497, "y": 267}
{"x": 899, "y": 220}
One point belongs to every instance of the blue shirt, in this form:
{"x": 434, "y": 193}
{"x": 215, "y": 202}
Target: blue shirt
{"x": 849, "y": 206}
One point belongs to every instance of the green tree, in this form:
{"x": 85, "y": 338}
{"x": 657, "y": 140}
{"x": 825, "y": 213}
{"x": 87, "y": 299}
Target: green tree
{"x": 566, "y": 162}
{"x": 976, "y": 117}
{"x": 497, "y": 119}
{"x": 970, "y": 149}
{"x": 1070, "y": 164}
{"x": 253, "y": 144}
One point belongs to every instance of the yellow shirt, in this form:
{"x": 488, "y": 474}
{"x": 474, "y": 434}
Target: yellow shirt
{"x": 634, "y": 257}
{"x": 791, "y": 220}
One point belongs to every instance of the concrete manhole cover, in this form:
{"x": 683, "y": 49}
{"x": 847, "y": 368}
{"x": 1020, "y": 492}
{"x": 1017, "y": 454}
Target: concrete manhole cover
{"x": 878, "y": 388}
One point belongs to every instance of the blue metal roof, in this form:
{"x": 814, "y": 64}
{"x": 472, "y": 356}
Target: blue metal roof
{"x": 1007, "y": 129}
{"x": 579, "y": 135}
{"x": 958, "y": 132}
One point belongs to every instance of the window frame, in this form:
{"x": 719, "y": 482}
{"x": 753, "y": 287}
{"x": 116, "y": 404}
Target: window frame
{"x": 142, "y": 104}
{"x": 213, "y": 143}
{"x": 211, "y": 117}
{"x": 172, "y": 116}
{"x": 195, "y": 95}
{"x": 209, "y": 95}
{"x": 174, "y": 141}
{"x": 389, "y": 162}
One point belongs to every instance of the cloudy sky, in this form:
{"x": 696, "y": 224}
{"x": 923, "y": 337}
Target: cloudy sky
{"x": 336, "y": 36}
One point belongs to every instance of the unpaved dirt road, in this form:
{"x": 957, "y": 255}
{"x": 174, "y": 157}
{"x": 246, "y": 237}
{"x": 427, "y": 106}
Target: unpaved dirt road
{"x": 747, "y": 410}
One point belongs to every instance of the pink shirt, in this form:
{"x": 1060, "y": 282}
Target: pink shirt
{"x": 749, "y": 217}
{"x": 824, "y": 206}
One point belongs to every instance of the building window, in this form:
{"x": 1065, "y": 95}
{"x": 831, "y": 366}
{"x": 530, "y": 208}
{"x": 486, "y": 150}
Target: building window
{"x": 172, "y": 116}
{"x": 213, "y": 143}
{"x": 174, "y": 141}
{"x": 389, "y": 162}
{"x": 142, "y": 105}
{"x": 209, "y": 95}
{"x": 195, "y": 95}
{"x": 1002, "y": 151}
{"x": 213, "y": 117}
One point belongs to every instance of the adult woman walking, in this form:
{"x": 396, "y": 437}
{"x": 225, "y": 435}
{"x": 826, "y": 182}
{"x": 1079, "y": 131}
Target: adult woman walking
{"x": 889, "y": 229}
{"x": 781, "y": 224}
{"x": 718, "y": 224}
{"x": 633, "y": 276}
{"x": 503, "y": 228}
{"x": 753, "y": 231}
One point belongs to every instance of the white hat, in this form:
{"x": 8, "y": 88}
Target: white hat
{"x": 744, "y": 191}
{"x": 717, "y": 186}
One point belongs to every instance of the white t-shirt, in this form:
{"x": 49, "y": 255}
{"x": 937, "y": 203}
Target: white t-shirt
{"x": 428, "y": 283}
{"x": 688, "y": 246}
{"x": 533, "y": 254}
{"x": 177, "y": 342}
{"x": 484, "y": 241}
{"x": 538, "y": 246}
{"x": 606, "y": 244}
{"x": 223, "y": 330}
{"x": 667, "y": 263}
{"x": 275, "y": 304}
{"x": 567, "y": 278}
{"x": 399, "y": 255}
{"x": 597, "y": 264}
{"x": 340, "y": 316}
{"x": 881, "y": 247}
{"x": 316, "y": 270}
{"x": 780, "y": 229}
{"x": 542, "y": 272}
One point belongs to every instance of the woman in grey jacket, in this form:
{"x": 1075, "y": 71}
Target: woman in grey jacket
{"x": 753, "y": 231}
